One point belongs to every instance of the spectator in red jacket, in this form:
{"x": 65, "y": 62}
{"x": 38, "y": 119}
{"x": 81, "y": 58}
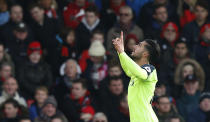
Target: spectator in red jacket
{"x": 74, "y": 13}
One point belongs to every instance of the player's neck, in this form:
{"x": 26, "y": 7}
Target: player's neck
{"x": 142, "y": 61}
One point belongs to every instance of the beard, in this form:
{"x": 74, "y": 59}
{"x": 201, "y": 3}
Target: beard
{"x": 135, "y": 56}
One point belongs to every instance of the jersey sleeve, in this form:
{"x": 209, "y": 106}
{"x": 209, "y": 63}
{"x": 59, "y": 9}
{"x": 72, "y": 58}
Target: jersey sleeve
{"x": 131, "y": 68}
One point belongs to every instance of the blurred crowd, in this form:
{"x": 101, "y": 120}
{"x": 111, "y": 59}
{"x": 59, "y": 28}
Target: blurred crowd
{"x": 58, "y": 64}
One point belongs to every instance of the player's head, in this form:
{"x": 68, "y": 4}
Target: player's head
{"x": 147, "y": 49}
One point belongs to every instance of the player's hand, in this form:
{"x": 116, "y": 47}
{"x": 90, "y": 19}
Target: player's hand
{"x": 119, "y": 43}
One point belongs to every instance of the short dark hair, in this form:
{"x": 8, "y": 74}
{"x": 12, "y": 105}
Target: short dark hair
{"x": 11, "y": 101}
{"x": 160, "y": 97}
{"x": 154, "y": 51}
{"x": 34, "y": 5}
{"x": 157, "y": 7}
{"x": 174, "y": 116}
{"x": 115, "y": 78}
{"x": 82, "y": 81}
{"x": 64, "y": 32}
{"x": 113, "y": 63}
{"x": 202, "y": 3}
{"x": 92, "y": 8}
{"x": 13, "y": 5}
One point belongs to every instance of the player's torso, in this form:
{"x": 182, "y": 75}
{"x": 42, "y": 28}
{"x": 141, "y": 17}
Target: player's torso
{"x": 140, "y": 94}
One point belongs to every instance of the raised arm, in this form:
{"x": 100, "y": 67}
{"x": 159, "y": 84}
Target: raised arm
{"x": 128, "y": 65}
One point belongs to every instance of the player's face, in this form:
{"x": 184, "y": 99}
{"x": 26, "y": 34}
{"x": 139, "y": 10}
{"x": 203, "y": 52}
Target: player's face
{"x": 138, "y": 50}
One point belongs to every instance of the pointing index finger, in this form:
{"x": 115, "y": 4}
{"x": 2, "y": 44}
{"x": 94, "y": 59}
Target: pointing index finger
{"x": 121, "y": 36}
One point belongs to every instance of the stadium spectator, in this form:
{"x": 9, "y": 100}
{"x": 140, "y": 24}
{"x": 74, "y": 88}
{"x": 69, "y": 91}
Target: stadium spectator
{"x": 50, "y": 8}
{"x": 79, "y": 104}
{"x": 6, "y": 71}
{"x": 125, "y": 24}
{"x": 97, "y": 67}
{"x": 56, "y": 119}
{"x": 200, "y": 50}
{"x": 10, "y": 90}
{"x": 90, "y": 23}
{"x": 201, "y": 16}
{"x": 4, "y": 13}
{"x": 74, "y": 12}
{"x": 202, "y": 112}
{"x": 189, "y": 100}
{"x": 122, "y": 113}
{"x": 44, "y": 28}
{"x": 41, "y": 94}
{"x": 100, "y": 117}
{"x": 34, "y": 72}
{"x": 71, "y": 73}
{"x": 189, "y": 67}
{"x": 66, "y": 48}
{"x": 166, "y": 109}
{"x": 168, "y": 65}
{"x": 174, "y": 118}
{"x": 5, "y": 57}
{"x": 146, "y": 12}
{"x": 16, "y": 16}
{"x": 110, "y": 99}
{"x": 111, "y": 12}
{"x": 17, "y": 46}
{"x": 96, "y": 36}
{"x": 185, "y": 11}
{"x": 49, "y": 110}
{"x": 160, "y": 17}
{"x": 11, "y": 111}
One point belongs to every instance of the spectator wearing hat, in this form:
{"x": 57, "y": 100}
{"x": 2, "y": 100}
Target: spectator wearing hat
{"x": 126, "y": 24}
{"x": 41, "y": 94}
{"x": 34, "y": 72}
{"x": 84, "y": 56}
{"x": 202, "y": 112}
{"x": 10, "y": 90}
{"x": 201, "y": 17}
{"x": 70, "y": 71}
{"x": 90, "y": 23}
{"x": 49, "y": 110}
{"x": 74, "y": 12}
{"x": 97, "y": 67}
{"x": 201, "y": 50}
{"x": 165, "y": 109}
{"x": 11, "y": 111}
{"x": 189, "y": 99}
{"x": 78, "y": 105}
{"x": 17, "y": 46}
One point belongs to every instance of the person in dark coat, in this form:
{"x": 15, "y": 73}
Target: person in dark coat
{"x": 11, "y": 111}
{"x": 201, "y": 17}
{"x": 110, "y": 98}
{"x": 202, "y": 112}
{"x": 45, "y": 29}
{"x": 189, "y": 100}
{"x": 70, "y": 72}
{"x": 34, "y": 72}
{"x": 78, "y": 105}
{"x": 17, "y": 46}
{"x": 88, "y": 25}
